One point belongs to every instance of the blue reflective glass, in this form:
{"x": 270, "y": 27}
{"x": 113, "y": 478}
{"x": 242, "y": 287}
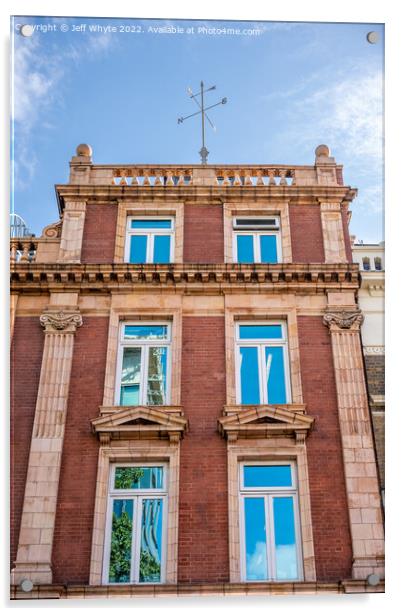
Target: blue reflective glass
{"x": 151, "y": 540}
{"x": 267, "y": 476}
{"x": 138, "y": 477}
{"x": 245, "y": 249}
{"x": 148, "y": 332}
{"x": 150, "y": 224}
{"x": 138, "y": 249}
{"x": 255, "y": 539}
{"x": 275, "y": 375}
{"x": 129, "y": 395}
{"x": 268, "y": 249}
{"x": 157, "y": 375}
{"x": 161, "y": 249}
{"x": 121, "y": 542}
{"x": 249, "y": 375}
{"x": 253, "y": 332}
{"x": 284, "y": 536}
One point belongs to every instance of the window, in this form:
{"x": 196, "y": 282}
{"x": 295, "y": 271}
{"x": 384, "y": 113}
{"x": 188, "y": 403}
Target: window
{"x": 262, "y": 363}
{"x": 366, "y": 263}
{"x": 136, "y": 525}
{"x": 257, "y": 240}
{"x": 378, "y": 264}
{"x": 269, "y": 522}
{"x": 150, "y": 240}
{"x": 143, "y": 365}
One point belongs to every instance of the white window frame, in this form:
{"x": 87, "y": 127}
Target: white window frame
{"x": 260, "y": 343}
{"x": 256, "y": 231}
{"x": 144, "y": 344}
{"x": 268, "y": 494}
{"x": 151, "y": 236}
{"x": 137, "y": 496}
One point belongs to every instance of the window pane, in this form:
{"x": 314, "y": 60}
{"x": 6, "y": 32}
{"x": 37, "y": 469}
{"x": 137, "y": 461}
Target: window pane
{"x": 253, "y": 332}
{"x": 138, "y": 477}
{"x": 255, "y": 539}
{"x": 161, "y": 249}
{"x": 275, "y": 375}
{"x": 268, "y": 248}
{"x": 157, "y": 375}
{"x": 284, "y": 533}
{"x": 138, "y": 249}
{"x": 121, "y": 541}
{"x": 151, "y": 540}
{"x": 267, "y": 476}
{"x": 148, "y": 332}
{"x": 150, "y": 224}
{"x": 130, "y": 376}
{"x": 249, "y": 373}
{"x": 245, "y": 249}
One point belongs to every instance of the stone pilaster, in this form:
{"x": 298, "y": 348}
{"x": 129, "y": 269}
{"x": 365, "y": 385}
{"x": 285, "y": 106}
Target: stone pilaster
{"x": 362, "y": 486}
{"x": 72, "y": 232}
{"x": 333, "y": 234}
{"x": 41, "y": 488}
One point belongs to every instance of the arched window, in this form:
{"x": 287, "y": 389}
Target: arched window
{"x": 366, "y": 263}
{"x": 378, "y": 263}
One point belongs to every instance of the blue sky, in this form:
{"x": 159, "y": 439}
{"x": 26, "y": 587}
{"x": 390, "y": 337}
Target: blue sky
{"x": 289, "y": 88}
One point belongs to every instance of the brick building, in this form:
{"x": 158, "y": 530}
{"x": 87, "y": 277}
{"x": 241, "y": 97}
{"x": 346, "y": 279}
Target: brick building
{"x": 194, "y": 416}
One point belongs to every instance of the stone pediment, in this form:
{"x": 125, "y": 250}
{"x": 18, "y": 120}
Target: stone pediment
{"x": 139, "y": 422}
{"x": 265, "y": 421}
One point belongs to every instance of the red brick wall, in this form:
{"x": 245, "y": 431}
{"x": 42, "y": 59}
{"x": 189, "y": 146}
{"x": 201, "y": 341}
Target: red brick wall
{"x": 75, "y": 507}
{"x": 203, "y": 517}
{"x": 25, "y": 364}
{"x": 203, "y": 234}
{"x": 326, "y": 473}
{"x": 306, "y": 234}
{"x": 347, "y": 239}
{"x": 99, "y": 233}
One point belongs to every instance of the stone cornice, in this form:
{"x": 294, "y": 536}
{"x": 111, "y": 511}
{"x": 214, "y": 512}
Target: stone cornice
{"x": 344, "y": 319}
{"x": 187, "y": 278}
{"x": 60, "y": 321}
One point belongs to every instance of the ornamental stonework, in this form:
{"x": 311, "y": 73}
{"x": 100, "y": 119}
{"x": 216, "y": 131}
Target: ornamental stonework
{"x": 60, "y": 321}
{"x": 343, "y": 320}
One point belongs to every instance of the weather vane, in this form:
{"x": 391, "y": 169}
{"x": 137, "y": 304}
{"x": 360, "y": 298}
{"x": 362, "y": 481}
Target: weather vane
{"x": 202, "y": 110}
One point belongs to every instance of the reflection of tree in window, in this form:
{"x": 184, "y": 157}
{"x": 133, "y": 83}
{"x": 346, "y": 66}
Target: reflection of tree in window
{"x": 121, "y": 542}
{"x": 150, "y": 558}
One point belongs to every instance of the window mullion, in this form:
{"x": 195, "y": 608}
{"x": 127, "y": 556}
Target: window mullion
{"x": 262, "y": 373}
{"x": 144, "y": 374}
{"x": 136, "y": 538}
{"x": 270, "y": 538}
{"x": 256, "y": 247}
{"x": 150, "y": 248}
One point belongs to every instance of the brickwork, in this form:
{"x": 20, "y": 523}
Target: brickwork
{"x": 203, "y": 518}
{"x": 25, "y": 366}
{"x": 203, "y": 234}
{"x": 374, "y": 365}
{"x": 326, "y": 473}
{"x": 378, "y": 420}
{"x": 74, "y": 519}
{"x": 99, "y": 233}
{"x": 306, "y": 234}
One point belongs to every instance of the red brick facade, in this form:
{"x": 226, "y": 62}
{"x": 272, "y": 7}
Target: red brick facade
{"x": 99, "y": 233}
{"x": 75, "y": 506}
{"x": 203, "y": 234}
{"x": 203, "y": 521}
{"x": 326, "y": 473}
{"x": 306, "y": 234}
{"x": 25, "y": 366}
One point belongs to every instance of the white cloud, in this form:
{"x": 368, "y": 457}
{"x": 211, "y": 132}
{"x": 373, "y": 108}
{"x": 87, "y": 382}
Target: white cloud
{"x": 256, "y": 562}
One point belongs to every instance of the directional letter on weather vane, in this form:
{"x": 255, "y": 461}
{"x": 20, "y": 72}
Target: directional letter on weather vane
{"x": 202, "y": 110}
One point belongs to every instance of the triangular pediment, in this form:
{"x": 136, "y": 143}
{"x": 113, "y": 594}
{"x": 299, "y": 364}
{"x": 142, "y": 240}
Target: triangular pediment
{"x": 140, "y": 422}
{"x": 264, "y": 421}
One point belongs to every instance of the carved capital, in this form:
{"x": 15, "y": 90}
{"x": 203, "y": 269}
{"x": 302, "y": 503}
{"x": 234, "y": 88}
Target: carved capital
{"x": 343, "y": 319}
{"x": 57, "y": 322}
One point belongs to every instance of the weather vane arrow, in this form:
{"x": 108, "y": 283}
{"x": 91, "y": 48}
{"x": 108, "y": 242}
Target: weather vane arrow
{"x": 202, "y": 110}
